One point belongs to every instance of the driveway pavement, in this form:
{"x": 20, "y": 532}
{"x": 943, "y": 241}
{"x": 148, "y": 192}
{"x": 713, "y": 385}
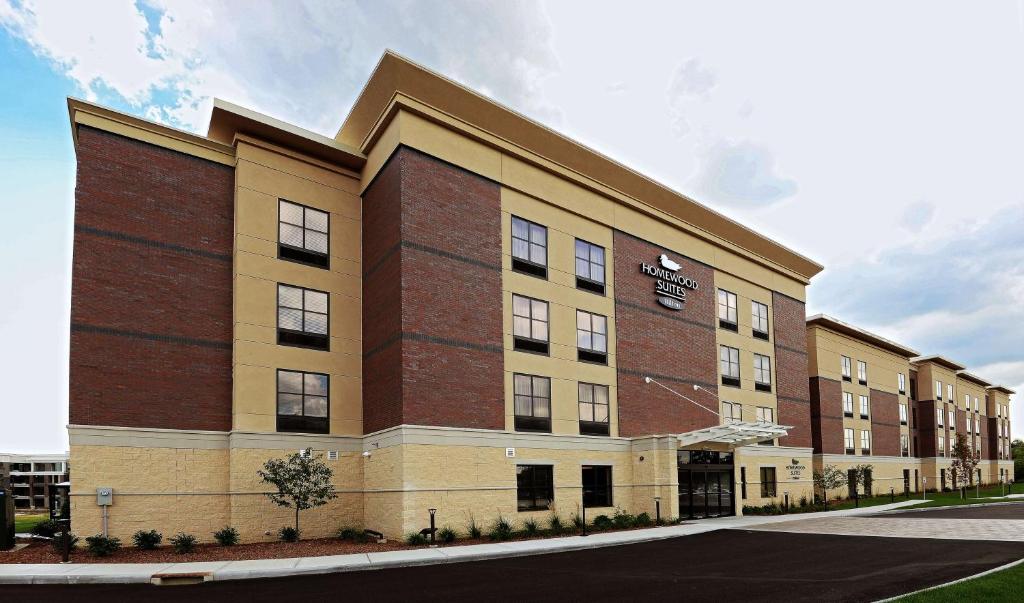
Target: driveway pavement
{"x": 725, "y": 565}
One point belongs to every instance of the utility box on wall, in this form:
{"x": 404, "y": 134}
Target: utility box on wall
{"x": 104, "y": 497}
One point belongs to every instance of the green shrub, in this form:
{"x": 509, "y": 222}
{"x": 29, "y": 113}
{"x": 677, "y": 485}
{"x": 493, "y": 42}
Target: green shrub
{"x": 530, "y": 527}
{"x": 447, "y": 535}
{"x": 147, "y": 541}
{"x": 622, "y": 520}
{"x": 226, "y": 536}
{"x": 603, "y": 522}
{"x": 288, "y": 534}
{"x": 555, "y": 524}
{"x": 643, "y": 520}
{"x": 415, "y": 538}
{"x": 577, "y": 521}
{"x": 58, "y": 541}
{"x": 183, "y": 543}
{"x": 346, "y": 533}
{"x": 474, "y": 530}
{"x": 102, "y": 546}
{"x": 501, "y": 530}
{"x": 46, "y": 529}
{"x": 803, "y": 501}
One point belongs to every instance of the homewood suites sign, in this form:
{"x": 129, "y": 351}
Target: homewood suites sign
{"x": 669, "y": 285}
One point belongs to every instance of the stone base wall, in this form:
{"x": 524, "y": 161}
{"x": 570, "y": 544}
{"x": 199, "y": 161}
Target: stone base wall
{"x": 886, "y": 472}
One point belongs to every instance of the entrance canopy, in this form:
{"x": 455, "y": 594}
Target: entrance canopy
{"x": 735, "y": 434}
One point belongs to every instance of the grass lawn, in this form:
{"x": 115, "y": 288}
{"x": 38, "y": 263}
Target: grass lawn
{"x": 944, "y": 499}
{"x": 1006, "y": 585}
{"x": 23, "y": 524}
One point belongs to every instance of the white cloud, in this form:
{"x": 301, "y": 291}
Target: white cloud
{"x": 741, "y": 173}
{"x": 917, "y": 215}
{"x": 300, "y": 61}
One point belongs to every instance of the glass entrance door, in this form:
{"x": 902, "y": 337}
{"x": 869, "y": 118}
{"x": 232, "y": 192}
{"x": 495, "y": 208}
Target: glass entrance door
{"x": 705, "y": 484}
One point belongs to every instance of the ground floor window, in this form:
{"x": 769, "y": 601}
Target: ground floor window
{"x": 597, "y": 486}
{"x": 743, "y": 483}
{"x": 767, "y": 482}
{"x": 535, "y": 487}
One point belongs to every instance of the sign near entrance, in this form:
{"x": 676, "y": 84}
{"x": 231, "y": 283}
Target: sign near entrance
{"x": 670, "y": 286}
{"x": 796, "y": 469}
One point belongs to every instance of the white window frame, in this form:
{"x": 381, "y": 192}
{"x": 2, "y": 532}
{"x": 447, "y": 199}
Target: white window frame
{"x": 845, "y": 366}
{"x": 862, "y": 370}
{"x": 759, "y": 323}
{"x": 727, "y": 301}
{"x": 848, "y": 403}
{"x": 762, "y": 369}
{"x": 864, "y": 405}
{"x": 938, "y": 389}
{"x": 848, "y": 439}
{"x": 941, "y": 416}
{"x": 901, "y": 381}
{"x": 865, "y": 440}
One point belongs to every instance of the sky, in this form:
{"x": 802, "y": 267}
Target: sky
{"x": 881, "y": 139}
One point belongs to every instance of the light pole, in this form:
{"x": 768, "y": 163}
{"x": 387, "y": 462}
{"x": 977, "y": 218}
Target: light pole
{"x": 433, "y": 542}
{"x": 657, "y": 510}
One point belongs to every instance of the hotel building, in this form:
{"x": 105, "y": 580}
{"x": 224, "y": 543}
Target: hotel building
{"x": 876, "y": 402}
{"x": 458, "y": 307}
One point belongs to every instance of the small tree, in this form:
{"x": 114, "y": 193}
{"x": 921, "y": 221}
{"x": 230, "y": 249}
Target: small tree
{"x": 829, "y": 478}
{"x": 860, "y": 475}
{"x": 965, "y": 461}
{"x": 302, "y": 480}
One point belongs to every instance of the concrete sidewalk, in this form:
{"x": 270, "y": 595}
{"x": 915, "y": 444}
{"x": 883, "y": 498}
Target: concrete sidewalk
{"x": 94, "y": 573}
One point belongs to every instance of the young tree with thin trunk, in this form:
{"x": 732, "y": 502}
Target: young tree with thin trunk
{"x": 861, "y": 475}
{"x": 303, "y": 481}
{"x": 965, "y": 461}
{"x": 829, "y": 478}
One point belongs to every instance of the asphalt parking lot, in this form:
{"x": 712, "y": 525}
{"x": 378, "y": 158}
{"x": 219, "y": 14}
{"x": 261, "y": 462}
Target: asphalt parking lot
{"x": 714, "y": 566}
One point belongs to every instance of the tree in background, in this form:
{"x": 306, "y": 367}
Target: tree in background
{"x": 965, "y": 461}
{"x": 861, "y": 475}
{"x": 829, "y": 478}
{"x": 303, "y": 481}
{"x": 1017, "y": 453}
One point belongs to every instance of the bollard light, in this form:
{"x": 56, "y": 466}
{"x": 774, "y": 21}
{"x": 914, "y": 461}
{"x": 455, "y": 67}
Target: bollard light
{"x": 432, "y": 529}
{"x": 657, "y": 510}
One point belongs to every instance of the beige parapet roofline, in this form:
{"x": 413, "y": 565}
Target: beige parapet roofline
{"x": 396, "y": 77}
{"x": 939, "y": 360}
{"x": 1001, "y": 388}
{"x": 834, "y": 324}
{"x": 973, "y": 378}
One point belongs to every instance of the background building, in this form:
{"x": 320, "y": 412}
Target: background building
{"x": 32, "y": 476}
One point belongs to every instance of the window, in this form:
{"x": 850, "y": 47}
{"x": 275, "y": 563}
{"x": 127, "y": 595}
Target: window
{"x": 532, "y": 397}
{"x": 952, "y": 420}
{"x": 529, "y": 247}
{"x": 938, "y": 416}
{"x": 903, "y": 414}
{"x": 302, "y": 402}
{"x": 848, "y": 440}
{"x": 730, "y": 364}
{"x": 865, "y": 442}
{"x": 942, "y": 446}
{"x": 591, "y": 337}
{"x": 904, "y": 445}
{"x": 767, "y": 482}
{"x": 759, "y": 319}
{"x": 589, "y": 267}
{"x": 302, "y": 317}
{"x": 535, "y": 487}
{"x": 303, "y": 234}
{"x": 597, "y": 486}
{"x": 847, "y": 404}
{"x": 765, "y": 414}
{"x": 863, "y": 406}
{"x": 727, "y": 310}
{"x": 529, "y": 324}
{"x": 999, "y": 410}
{"x": 976, "y": 405}
{"x": 862, "y": 372}
{"x": 901, "y": 380}
{"x": 967, "y": 402}
{"x": 969, "y": 427}
{"x": 949, "y": 392}
{"x": 846, "y": 368}
{"x": 938, "y": 390}
{"x": 762, "y": 373}
{"x": 593, "y": 401}
{"x": 732, "y": 412}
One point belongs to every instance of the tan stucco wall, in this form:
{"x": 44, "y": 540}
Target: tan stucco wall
{"x": 264, "y": 174}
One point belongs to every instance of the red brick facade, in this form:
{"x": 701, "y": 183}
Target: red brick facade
{"x": 675, "y": 347}
{"x": 151, "y": 287}
{"x": 826, "y": 416}
{"x": 789, "y": 333}
{"x": 885, "y": 423}
{"x": 432, "y": 331}
{"x": 927, "y": 436}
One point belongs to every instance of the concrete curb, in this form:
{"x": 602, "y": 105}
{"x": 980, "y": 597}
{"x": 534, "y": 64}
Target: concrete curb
{"x": 143, "y": 573}
{"x": 952, "y": 582}
{"x": 967, "y": 506}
